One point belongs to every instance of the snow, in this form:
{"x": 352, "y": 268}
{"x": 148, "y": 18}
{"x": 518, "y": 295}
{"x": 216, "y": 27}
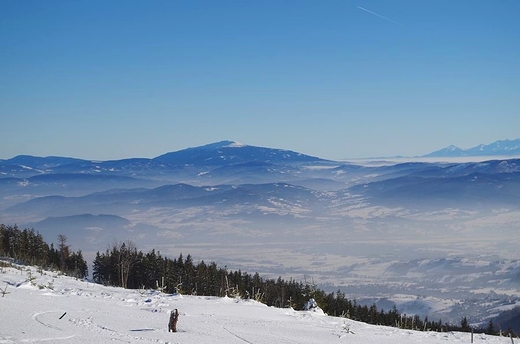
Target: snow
{"x": 23, "y": 183}
{"x": 48, "y": 308}
{"x": 236, "y": 144}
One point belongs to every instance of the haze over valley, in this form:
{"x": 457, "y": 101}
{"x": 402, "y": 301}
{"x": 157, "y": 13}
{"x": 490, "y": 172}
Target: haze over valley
{"x": 435, "y": 238}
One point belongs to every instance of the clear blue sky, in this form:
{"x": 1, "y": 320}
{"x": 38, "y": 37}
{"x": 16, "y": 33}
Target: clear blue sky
{"x": 335, "y": 79}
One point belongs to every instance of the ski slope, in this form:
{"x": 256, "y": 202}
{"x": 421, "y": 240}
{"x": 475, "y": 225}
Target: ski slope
{"x": 43, "y": 307}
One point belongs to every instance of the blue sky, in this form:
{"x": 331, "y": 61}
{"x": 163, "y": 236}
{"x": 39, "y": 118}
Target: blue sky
{"x": 335, "y": 79}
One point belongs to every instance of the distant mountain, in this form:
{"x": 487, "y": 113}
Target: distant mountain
{"x": 226, "y": 152}
{"x": 89, "y": 230}
{"x": 450, "y": 151}
{"x": 41, "y": 163}
{"x": 497, "y": 148}
{"x": 509, "y": 319}
{"x": 187, "y": 165}
{"x": 474, "y": 190}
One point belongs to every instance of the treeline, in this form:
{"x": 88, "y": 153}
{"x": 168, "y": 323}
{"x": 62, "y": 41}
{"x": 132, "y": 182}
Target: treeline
{"x": 27, "y": 247}
{"x": 123, "y": 265}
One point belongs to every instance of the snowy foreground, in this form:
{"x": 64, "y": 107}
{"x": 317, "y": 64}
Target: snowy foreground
{"x": 48, "y": 308}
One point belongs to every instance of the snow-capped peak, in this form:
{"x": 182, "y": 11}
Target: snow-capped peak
{"x": 236, "y": 144}
{"x": 222, "y": 144}
{"x": 452, "y": 148}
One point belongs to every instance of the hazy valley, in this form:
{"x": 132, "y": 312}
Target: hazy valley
{"x": 435, "y": 238}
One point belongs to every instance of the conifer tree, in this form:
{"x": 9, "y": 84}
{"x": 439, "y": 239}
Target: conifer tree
{"x": 490, "y": 329}
{"x": 464, "y": 325}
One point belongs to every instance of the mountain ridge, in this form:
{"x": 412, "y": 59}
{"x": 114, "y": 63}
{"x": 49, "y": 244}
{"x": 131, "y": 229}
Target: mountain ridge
{"x": 226, "y": 151}
{"x": 498, "y": 148}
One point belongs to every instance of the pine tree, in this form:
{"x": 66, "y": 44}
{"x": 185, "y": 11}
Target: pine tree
{"x": 464, "y": 325}
{"x": 490, "y": 329}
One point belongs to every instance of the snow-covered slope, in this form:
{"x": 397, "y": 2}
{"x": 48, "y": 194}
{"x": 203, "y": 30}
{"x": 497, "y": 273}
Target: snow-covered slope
{"x": 43, "y": 307}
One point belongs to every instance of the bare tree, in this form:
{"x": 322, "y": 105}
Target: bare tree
{"x": 127, "y": 257}
{"x": 64, "y": 250}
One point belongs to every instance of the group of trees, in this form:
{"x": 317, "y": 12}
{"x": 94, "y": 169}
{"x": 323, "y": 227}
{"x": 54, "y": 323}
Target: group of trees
{"x": 28, "y": 247}
{"x": 122, "y": 265}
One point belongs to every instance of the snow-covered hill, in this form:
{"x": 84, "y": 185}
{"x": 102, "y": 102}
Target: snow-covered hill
{"x": 43, "y": 307}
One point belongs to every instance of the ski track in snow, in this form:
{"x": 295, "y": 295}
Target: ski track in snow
{"x": 38, "y": 316}
{"x": 234, "y": 334}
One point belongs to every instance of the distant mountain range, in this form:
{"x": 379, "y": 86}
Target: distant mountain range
{"x": 191, "y": 161}
{"x": 258, "y": 183}
{"x": 497, "y": 148}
